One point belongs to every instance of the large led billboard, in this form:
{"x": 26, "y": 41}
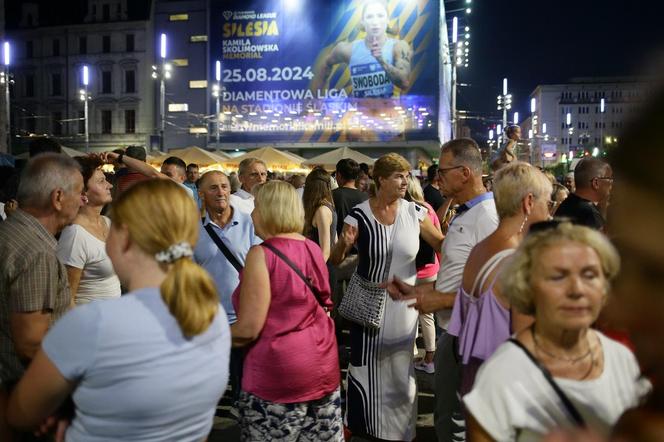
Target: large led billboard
{"x": 326, "y": 71}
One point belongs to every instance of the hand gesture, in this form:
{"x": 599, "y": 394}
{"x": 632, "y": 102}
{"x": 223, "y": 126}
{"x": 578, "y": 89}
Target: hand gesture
{"x": 349, "y": 235}
{"x": 376, "y": 49}
{"x": 109, "y": 157}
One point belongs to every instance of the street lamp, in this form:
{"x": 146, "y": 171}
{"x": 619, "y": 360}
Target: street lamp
{"x": 516, "y": 118}
{"x": 216, "y": 93}
{"x": 6, "y": 59}
{"x": 163, "y": 74}
{"x": 85, "y": 97}
{"x": 602, "y": 108}
{"x": 455, "y": 58}
{"x": 504, "y": 102}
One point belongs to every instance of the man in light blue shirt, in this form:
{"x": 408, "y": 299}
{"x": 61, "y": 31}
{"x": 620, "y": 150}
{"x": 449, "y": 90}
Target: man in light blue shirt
{"x": 192, "y": 178}
{"x": 234, "y": 227}
{"x": 236, "y": 230}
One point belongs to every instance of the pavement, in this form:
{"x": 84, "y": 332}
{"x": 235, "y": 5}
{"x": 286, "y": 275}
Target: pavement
{"x": 226, "y": 429}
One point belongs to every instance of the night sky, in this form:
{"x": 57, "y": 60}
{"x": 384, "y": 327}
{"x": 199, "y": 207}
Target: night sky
{"x": 530, "y": 42}
{"x": 550, "y": 41}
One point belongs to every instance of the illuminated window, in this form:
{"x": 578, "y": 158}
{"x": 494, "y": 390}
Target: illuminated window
{"x": 180, "y": 61}
{"x": 198, "y": 38}
{"x": 198, "y": 84}
{"x": 178, "y": 17}
{"x": 198, "y": 130}
{"x": 178, "y": 107}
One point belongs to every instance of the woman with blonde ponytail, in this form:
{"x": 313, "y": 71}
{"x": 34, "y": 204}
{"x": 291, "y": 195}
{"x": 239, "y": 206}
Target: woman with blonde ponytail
{"x": 152, "y": 364}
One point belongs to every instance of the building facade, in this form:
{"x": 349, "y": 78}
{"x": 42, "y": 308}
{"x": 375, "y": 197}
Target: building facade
{"x": 570, "y": 118}
{"x": 48, "y": 58}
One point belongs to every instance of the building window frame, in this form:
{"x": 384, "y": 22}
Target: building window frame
{"x": 130, "y": 121}
{"x": 106, "y": 121}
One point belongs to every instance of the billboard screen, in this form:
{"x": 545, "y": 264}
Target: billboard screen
{"x": 326, "y": 71}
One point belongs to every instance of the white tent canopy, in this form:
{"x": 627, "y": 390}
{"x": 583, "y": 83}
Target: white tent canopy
{"x": 330, "y": 159}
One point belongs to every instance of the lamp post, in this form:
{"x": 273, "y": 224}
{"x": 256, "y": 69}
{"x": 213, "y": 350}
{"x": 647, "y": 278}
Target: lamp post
{"x": 216, "y": 92}
{"x": 6, "y": 59}
{"x": 162, "y": 72}
{"x": 84, "y": 96}
{"x": 162, "y": 93}
{"x": 455, "y": 39}
{"x": 602, "y": 108}
{"x": 533, "y": 125}
{"x": 504, "y": 104}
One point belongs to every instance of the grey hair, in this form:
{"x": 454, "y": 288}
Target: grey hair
{"x": 247, "y": 163}
{"x": 44, "y": 174}
{"x": 466, "y": 152}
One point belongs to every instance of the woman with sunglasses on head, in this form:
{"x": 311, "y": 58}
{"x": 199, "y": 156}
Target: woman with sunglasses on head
{"x": 483, "y": 317}
{"x": 559, "y": 372}
{"x": 152, "y": 364}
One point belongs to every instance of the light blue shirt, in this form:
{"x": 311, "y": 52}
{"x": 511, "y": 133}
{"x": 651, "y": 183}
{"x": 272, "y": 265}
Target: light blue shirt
{"x": 137, "y": 377}
{"x": 194, "y": 191}
{"x": 368, "y": 77}
{"x": 238, "y": 235}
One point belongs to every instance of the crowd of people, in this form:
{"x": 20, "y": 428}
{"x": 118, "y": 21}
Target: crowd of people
{"x": 130, "y": 303}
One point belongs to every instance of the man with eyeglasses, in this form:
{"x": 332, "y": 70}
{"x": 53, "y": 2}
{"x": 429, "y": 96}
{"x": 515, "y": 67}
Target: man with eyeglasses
{"x": 587, "y": 205}
{"x": 460, "y": 178}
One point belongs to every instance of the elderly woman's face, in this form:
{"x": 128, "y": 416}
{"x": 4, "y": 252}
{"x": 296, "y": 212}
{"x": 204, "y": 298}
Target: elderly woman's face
{"x": 568, "y": 286}
{"x": 395, "y": 185}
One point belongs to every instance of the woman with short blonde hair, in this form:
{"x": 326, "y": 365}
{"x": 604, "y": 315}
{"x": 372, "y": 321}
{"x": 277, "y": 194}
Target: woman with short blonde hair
{"x": 558, "y": 372}
{"x": 281, "y": 306}
{"x": 483, "y": 317}
{"x": 167, "y": 341}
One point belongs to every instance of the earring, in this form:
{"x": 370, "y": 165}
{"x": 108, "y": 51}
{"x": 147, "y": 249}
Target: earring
{"x": 523, "y": 224}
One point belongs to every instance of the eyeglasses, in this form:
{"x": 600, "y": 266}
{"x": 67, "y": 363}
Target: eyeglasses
{"x": 442, "y": 171}
{"x": 258, "y": 174}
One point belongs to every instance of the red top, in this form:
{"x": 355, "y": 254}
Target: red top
{"x": 295, "y": 356}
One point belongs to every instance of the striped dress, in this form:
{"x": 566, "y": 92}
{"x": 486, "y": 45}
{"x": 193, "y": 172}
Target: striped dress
{"x": 381, "y": 388}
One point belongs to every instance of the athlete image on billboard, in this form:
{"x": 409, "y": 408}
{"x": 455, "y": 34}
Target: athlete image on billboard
{"x": 377, "y": 63}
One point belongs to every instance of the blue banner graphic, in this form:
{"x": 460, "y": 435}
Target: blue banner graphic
{"x": 326, "y": 71}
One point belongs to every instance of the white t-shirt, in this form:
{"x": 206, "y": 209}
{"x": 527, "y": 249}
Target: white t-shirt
{"x": 241, "y": 204}
{"x": 241, "y": 193}
{"x": 81, "y": 249}
{"x": 512, "y": 400}
{"x": 465, "y": 231}
{"x": 137, "y": 377}
{"x": 189, "y": 191}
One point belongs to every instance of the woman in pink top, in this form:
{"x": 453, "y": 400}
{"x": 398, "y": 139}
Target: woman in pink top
{"x": 427, "y": 262}
{"x": 482, "y": 317}
{"x": 290, "y": 383}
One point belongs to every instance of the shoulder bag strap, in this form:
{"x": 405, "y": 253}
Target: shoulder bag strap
{"x": 569, "y": 406}
{"x": 296, "y": 269}
{"x": 224, "y": 249}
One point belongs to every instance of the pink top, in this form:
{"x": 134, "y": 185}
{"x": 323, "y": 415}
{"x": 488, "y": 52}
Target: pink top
{"x": 295, "y": 356}
{"x": 430, "y": 270}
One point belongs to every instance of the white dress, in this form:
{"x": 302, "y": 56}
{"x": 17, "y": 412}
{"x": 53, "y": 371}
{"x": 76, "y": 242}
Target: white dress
{"x": 512, "y": 400}
{"x": 381, "y": 387}
{"x": 81, "y": 249}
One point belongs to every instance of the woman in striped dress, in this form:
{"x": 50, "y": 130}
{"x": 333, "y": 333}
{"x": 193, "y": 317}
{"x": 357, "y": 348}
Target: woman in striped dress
{"x": 381, "y": 388}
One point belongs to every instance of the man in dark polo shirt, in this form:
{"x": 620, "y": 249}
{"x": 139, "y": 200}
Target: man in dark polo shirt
{"x": 431, "y": 191}
{"x": 593, "y": 178}
{"x": 34, "y": 291}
